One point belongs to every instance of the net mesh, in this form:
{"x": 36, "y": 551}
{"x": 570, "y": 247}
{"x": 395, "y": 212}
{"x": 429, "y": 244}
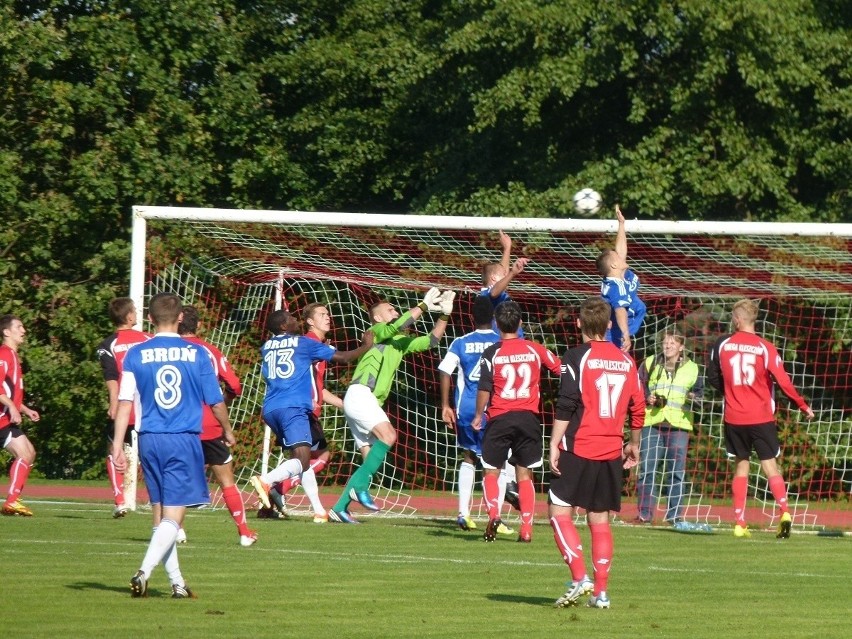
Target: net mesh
{"x": 689, "y": 282}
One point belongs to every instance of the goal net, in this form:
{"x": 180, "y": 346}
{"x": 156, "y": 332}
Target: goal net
{"x": 230, "y": 265}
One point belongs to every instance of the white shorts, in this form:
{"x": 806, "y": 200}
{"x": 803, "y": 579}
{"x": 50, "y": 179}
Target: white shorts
{"x": 363, "y": 414}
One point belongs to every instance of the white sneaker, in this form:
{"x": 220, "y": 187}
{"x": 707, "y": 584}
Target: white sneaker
{"x": 320, "y": 518}
{"x": 181, "y": 536}
{"x": 576, "y": 590}
{"x": 601, "y": 601}
{"x": 248, "y": 540}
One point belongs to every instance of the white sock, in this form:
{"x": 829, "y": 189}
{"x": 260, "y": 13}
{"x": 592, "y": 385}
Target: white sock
{"x": 280, "y": 473}
{"x": 501, "y": 492}
{"x": 309, "y": 485}
{"x": 510, "y": 472}
{"x": 162, "y": 541}
{"x": 467, "y": 474}
{"x": 170, "y": 563}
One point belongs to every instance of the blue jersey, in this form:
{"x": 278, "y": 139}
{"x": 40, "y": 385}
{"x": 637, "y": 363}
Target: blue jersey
{"x": 623, "y": 294}
{"x": 287, "y": 367}
{"x": 464, "y": 354}
{"x": 496, "y": 301}
{"x": 173, "y": 378}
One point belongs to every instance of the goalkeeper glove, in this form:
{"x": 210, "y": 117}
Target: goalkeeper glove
{"x": 432, "y": 300}
{"x": 446, "y": 302}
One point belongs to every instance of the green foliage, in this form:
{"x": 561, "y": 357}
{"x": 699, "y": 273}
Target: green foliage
{"x": 728, "y": 110}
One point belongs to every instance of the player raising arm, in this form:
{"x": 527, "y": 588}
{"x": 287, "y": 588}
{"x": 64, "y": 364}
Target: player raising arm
{"x": 744, "y": 368}
{"x": 620, "y": 288}
{"x": 599, "y": 386}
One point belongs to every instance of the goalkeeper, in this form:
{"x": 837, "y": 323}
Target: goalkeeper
{"x": 362, "y": 405}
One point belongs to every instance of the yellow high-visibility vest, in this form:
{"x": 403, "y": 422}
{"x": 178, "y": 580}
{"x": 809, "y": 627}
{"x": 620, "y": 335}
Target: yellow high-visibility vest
{"x": 674, "y": 388}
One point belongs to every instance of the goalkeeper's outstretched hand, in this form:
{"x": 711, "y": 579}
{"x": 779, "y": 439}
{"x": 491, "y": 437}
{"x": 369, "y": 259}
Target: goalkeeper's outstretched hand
{"x": 446, "y": 302}
{"x": 432, "y": 299}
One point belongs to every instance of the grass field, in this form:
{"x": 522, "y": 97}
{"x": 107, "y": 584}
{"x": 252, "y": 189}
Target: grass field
{"x": 65, "y": 574}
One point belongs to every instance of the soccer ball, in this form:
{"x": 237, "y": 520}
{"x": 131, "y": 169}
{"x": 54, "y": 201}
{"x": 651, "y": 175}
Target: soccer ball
{"x": 587, "y": 202}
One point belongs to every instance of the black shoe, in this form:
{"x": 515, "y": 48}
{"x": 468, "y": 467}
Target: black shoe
{"x": 490, "y": 533}
{"x": 182, "y": 592}
{"x": 512, "y": 496}
{"x": 138, "y": 585}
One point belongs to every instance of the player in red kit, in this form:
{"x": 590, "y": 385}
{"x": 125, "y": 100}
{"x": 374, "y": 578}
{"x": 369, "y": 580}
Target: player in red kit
{"x": 745, "y": 368}
{"x": 217, "y": 453}
{"x": 111, "y": 352}
{"x": 510, "y": 375}
{"x": 12, "y": 409}
{"x": 599, "y": 387}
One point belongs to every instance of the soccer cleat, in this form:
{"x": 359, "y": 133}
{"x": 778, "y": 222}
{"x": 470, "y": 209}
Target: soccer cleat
{"x": 261, "y": 489}
{"x": 512, "y": 496}
{"x": 342, "y": 517}
{"x": 16, "y": 507}
{"x": 492, "y": 529}
{"x": 466, "y": 523}
{"x": 248, "y": 540}
{"x": 601, "y": 601}
{"x": 271, "y": 513}
{"x": 503, "y": 529}
{"x": 363, "y": 498}
{"x": 278, "y": 501}
{"x": 320, "y": 518}
{"x": 639, "y": 521}
{"x": 741, "y": 531}
{"x": 138, "y": 585}
{"x": 182, "y": 592}
{"x": 119, "y": 511}
{"x": 784, "y": 526}
{"x": 576, "y": 590}
{"x": 181, "y": 536}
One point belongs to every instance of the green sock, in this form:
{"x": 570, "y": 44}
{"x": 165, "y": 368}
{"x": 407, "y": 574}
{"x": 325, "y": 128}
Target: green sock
{"x": 360, "y": 479}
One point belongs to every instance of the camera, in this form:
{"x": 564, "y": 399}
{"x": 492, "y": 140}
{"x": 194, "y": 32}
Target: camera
{"x": 660, "y": 401}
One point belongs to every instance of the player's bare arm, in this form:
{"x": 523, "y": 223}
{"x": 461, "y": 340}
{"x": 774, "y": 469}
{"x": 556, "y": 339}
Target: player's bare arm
{"x": 517, "y": 268}
{"x": 621, "y": 235}
{"x": 330, "y": 398}
{"x": 448, "y": 415}
{"x": 482, "y": 398}
{"x": 506, "y": 250}
{"x": 556, "y": 435}
{"x": 119, "y": 429}
{"x": 220, "y": 412}
{"x": 621, "y": 320}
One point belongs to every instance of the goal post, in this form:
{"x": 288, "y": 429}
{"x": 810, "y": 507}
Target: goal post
{"x": 229, "y": 264}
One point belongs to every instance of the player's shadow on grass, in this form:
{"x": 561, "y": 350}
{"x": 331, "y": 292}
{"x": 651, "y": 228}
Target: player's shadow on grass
{"x": 94, "y": 585}
{"x": 521, "y": 599}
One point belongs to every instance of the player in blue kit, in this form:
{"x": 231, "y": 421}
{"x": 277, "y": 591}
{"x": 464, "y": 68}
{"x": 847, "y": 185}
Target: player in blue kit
{"x": 463, "y": 358}
{"x": 173, "y": 378}
{"x": 620, "y": 287}
{"x": 287, "y": 366}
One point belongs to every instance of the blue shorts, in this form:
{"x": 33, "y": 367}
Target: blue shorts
{"x": 292, "y": 426}
{"x": 469, "y": 439}
{"x": 173, "y": 466}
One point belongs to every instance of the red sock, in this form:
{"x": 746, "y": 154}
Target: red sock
{"x": 234, "y": 501}
{"x": 526, "y": 497}
{"x": 779, "y": 491}
{"x": 739, "y": 488}
{"x": 489, "y": 485}
{"x": 18, "y": 473}
{"x": 568, "y": 541}
{"x": 601, "y": 554}
{"x": 116, "y": 481}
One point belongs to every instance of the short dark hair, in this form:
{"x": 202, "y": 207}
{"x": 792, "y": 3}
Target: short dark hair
{"x": 483, "y": 311}
{"x": 595, "y": 313}
{"x": 165, "y": 308}
{"x": 6, "y": 322}
{"x": 277, "y": 321}
{"x": 189, "y": 323}
{"x": 602, "y": 262}
{"x": 508, "y": 316}
{"x": 119, "y": 308}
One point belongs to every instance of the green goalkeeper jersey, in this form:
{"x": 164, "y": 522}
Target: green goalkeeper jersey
{"x": 377, "y": 367}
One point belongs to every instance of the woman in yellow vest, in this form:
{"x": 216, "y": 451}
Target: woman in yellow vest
{"x": 671, "y": 384}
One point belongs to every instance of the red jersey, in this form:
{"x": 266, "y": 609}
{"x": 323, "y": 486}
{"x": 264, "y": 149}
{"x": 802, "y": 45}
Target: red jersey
{"x": 745, "y": 368}
{"x": 511, "y": 371}
{"x": 599, "y": 386}
{"x": 12, "y": 378}
{"x": 318, "y": 385}
{"x": 210, "y": 426}
{"x": 111, "y": 354}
